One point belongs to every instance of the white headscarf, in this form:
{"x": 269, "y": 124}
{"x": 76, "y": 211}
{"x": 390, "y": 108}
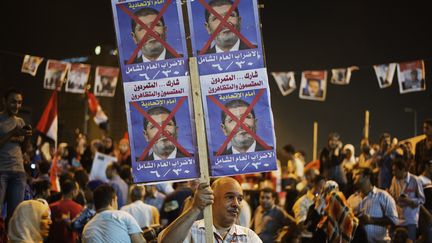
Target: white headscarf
{"x": 24, "y": 226}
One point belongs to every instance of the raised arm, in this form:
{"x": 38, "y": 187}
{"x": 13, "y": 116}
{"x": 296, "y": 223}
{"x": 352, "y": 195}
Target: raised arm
{"x": 178, "y": 230}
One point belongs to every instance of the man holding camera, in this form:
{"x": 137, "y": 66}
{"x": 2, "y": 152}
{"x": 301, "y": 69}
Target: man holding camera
{"x": 13, "y": 134}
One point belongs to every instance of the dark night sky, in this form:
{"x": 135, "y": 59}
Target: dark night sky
{"x": 298, "y": 35}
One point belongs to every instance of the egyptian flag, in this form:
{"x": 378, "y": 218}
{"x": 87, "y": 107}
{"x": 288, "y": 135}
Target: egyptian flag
{"x": 48, "y": 122}
{"x": 98, "y": 114}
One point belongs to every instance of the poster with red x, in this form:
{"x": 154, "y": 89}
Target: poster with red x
{"x": 150, "y": 38}
{"x": 154, "y": 66}
{"x": 226, "y": 40}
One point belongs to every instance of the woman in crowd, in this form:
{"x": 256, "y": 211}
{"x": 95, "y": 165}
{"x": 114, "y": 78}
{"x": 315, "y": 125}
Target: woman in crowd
{"x": 30, "y": 222}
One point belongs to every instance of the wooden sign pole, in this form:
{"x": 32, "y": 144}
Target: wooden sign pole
{"x": 315, "y": 140}
{"x": 201, "y": 141}
{"x": 366, "y": 125}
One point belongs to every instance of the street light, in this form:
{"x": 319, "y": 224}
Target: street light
{"x": 414, "y": 111}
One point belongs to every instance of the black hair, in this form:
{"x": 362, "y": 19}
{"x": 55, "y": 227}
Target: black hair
{"x": 157, "y": 111}
{"x": 11, "y": 91}
{"x": 137, "y": 193}
{"x": 235, "y": 104}
{"x": 269, "y": 190}
{"x": 103, "y": 195}
{"x": 400, "y": 163}
{"x": 68, "y": 186}
{"x": 144, "y": 12}
{"x": 428, "y": 121}
{"x": 218, "y": 3}
{"x": 289, "y": 148}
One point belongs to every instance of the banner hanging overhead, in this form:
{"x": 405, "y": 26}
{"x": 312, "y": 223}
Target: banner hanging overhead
{"x": 55, "y": 74}
{"x": 226, "y": 39}
{"x": 77, "y": 78}
{"x": 285, "y": 81}
{"x": 313, "y": 85}
{"x": 411, "y": 76}
{"x": 385, "y": 74}
{"x": 105, "y": 81}
{"x": 30, "y": 64}
{"x": 153, "y": 60}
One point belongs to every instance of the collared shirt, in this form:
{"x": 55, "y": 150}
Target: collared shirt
{"x": 301, "y": 206}
{"x": 412, "y": 188}
{"x": 237, "y": 234}
{"x": 234, "y": 48}
{"x": 171, "y": 156}
{"x": 161, "y": 57}
{"x": 250, "y": 149}
{"x": 378, "y": 203}
{"x": 266, "y": 223}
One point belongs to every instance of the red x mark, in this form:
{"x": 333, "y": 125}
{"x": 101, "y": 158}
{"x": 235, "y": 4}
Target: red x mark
{"x": 223, "y": 22}
{"x": 161, "y": 129}
{"x": 149, "y": 31}
{"x": 240, "y": 122}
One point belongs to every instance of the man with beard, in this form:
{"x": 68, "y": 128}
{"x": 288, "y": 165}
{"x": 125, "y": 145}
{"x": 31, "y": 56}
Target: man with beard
{"x": 163, "y": 148}
{"x": 225, "y": 40}
{"x": 242, "y": 141}
{"x": 152, "y": 49}
{"x": 225, "y": 196}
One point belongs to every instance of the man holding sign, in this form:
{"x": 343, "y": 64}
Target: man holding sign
{"x": 225, "y": 196}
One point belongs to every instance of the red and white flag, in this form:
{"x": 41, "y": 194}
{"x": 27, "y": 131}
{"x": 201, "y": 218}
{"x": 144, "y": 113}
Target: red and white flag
{"x": 99, "y": 115}
{"x": 411, "y": 76}
{"x": 48, "y": 122}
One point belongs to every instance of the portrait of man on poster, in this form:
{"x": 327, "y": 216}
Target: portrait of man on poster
{"x": 242, "y": 141}
{"x": 152, "y": 49}
{"x": 225, "y": 40}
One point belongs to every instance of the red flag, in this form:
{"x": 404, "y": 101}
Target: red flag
{"x": 48, "y": 122}
{"x": 98, "y": 114}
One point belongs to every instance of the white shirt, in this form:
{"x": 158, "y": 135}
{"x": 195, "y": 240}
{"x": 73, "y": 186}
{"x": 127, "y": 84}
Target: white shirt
{"x": 161, "y": 57}
{"x": 250, "y": 149}
{"x": 234, "y": 48}
{"x": 301, "y": 206}
{"x": 112, "y": 226}
{"x": 237, "y": 234}
{"x": 141, "y": 211}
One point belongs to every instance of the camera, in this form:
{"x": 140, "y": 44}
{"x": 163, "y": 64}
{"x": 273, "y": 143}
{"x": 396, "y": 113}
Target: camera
{"x": 150, "y": 233}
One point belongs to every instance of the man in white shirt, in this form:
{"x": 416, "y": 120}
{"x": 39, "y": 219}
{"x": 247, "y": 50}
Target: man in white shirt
{"x": 375, "y": 208}
{"x": 144, "y": 214}
{"x": 407, "y": 191}
{"x": 225, "y": 196}
{"x": 110, "y": 224}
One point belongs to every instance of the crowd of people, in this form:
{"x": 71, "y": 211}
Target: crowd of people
{"x": 382, "y": 194}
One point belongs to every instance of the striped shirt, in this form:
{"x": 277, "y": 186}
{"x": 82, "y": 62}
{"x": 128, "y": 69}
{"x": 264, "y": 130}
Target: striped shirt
{"x": 237, "y": 234}
{"x": 412, "y": 188}
{"x": 378, "y": 203}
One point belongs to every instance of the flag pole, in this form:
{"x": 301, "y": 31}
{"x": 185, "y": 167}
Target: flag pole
{"x": 315, "y": 140}
{"x": 201, "y": 141}
{"x": 366, "y": 125}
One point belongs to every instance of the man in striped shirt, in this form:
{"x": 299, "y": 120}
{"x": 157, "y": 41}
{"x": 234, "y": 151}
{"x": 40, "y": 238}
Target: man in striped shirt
{"x": 225, "y": 196}
{"x": 407, "y": 191}
{"x": 375, "y": 208}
